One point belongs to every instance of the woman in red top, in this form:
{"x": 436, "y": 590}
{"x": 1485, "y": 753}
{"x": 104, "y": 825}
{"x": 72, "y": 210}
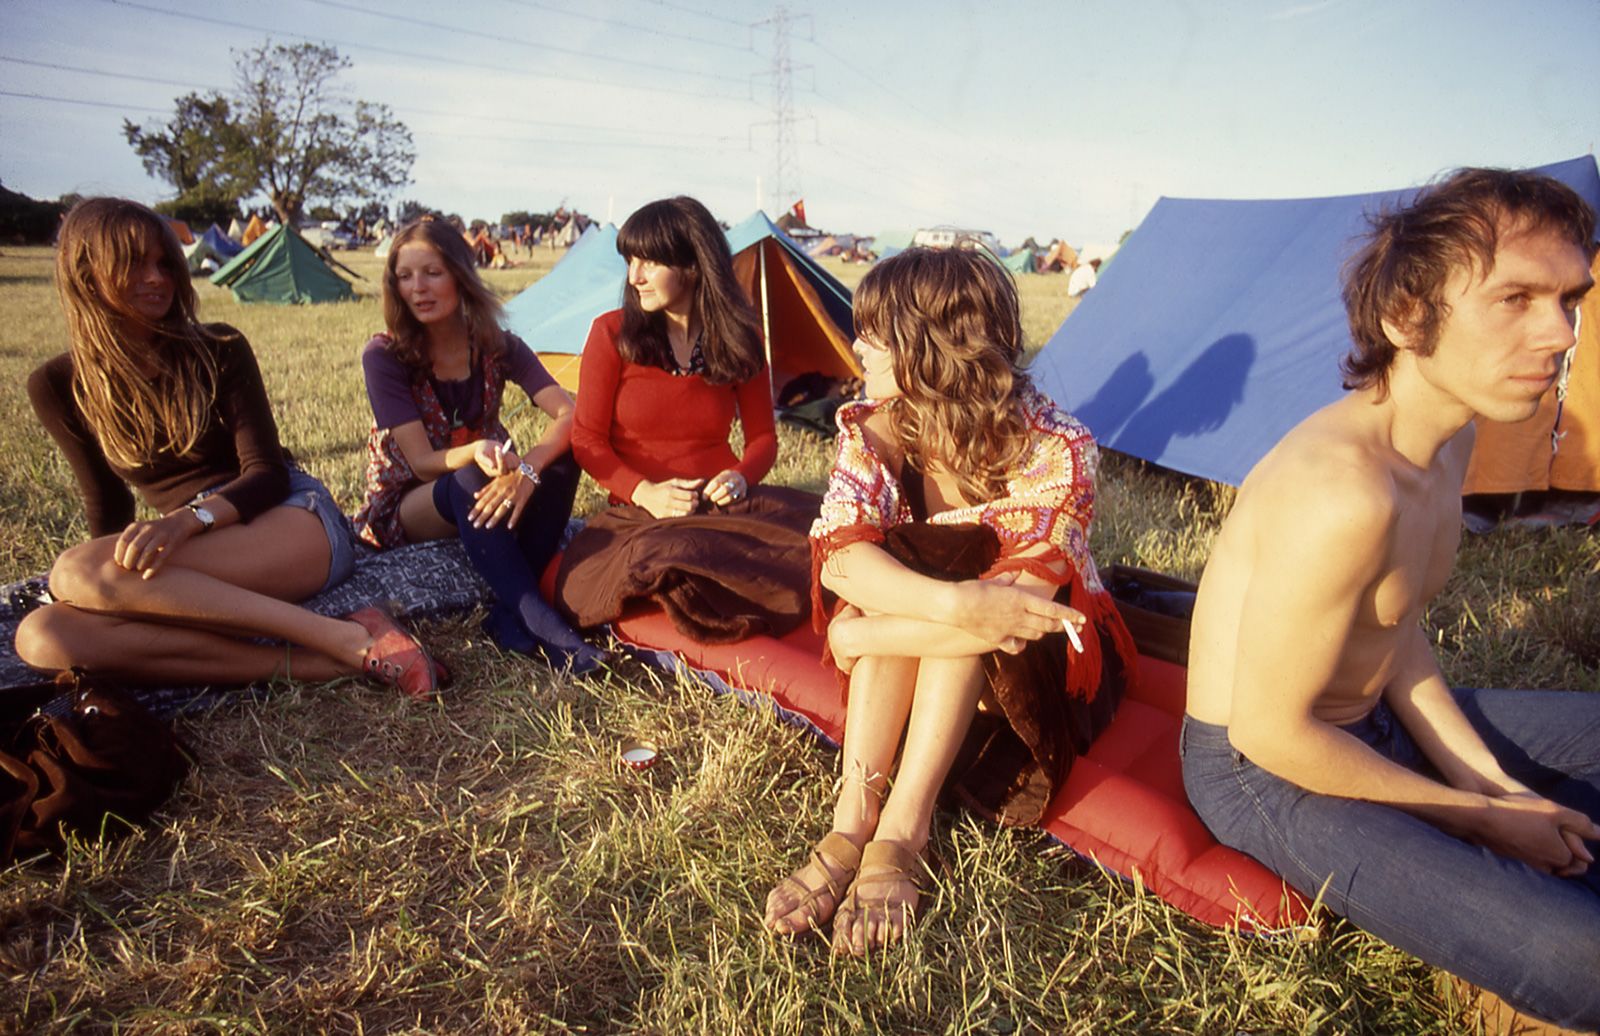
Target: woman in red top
{"x": 955, "y": 534}
{"x": 661, "y": 383}
{"x": 150, "y": 398}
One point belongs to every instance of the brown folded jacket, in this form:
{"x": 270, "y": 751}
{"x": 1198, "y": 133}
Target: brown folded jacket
{"x": 720, "y": 576}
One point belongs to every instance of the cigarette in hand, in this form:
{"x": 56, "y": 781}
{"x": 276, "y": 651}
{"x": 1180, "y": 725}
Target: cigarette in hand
{"x": 1072, "y": 635}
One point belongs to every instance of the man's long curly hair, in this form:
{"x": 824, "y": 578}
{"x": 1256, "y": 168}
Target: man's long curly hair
{"x": 480, "y": 307}
{"x": 144, "y": 386}
{"x": 949, "y": 319}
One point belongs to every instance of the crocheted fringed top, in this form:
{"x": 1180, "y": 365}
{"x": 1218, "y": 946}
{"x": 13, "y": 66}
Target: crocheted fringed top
{"x": 1049, "y": 500}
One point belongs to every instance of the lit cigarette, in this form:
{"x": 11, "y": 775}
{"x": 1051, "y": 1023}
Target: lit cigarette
{"x": 503, "y": 448}
{"x": 1072, "y": 635}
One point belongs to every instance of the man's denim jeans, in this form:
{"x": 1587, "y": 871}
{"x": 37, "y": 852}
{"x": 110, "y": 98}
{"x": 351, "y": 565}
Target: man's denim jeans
{"x": 1531, "y": 938}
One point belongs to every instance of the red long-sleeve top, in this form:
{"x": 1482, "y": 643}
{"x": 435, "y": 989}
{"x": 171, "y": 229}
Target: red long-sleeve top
{"x": 636, "y": 422}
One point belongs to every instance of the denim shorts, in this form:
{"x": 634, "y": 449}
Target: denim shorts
{"x": 307, "y": 492}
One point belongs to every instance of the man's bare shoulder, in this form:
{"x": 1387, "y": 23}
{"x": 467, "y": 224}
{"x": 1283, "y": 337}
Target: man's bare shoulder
{"x": 1324, "y": 473}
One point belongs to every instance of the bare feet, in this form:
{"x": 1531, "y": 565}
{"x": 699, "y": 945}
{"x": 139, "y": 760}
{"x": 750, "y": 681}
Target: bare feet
{"x": 881, "y": 902}
{"x": 806, "y": 899}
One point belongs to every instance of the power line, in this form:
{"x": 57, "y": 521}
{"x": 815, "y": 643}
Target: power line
{"x": 697, "y": 12}
{"x": 502, "y": 39}
{"x": 857, "y": 70}
{"x": 630, "y": 144}
{"x": 75, "y": 100}
{"x": 402, "y": 109}
{"x": 630, "y": 25}
{"x": 475, "y": 65}
{"x": 109, "y": 75}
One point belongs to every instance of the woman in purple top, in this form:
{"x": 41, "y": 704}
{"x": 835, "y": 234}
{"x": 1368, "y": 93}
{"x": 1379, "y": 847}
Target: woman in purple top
{"x": 441, "y": 463}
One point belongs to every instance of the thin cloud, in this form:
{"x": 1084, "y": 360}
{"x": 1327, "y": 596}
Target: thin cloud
{"x": 1301, "y": 10}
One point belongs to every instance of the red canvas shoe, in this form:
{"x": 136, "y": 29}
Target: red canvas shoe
{"x": 395, "y": 657}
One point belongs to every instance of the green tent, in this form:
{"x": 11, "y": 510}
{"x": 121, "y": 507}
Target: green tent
{"x": 281, "y": 266}
{"x": 1020, "y": 261}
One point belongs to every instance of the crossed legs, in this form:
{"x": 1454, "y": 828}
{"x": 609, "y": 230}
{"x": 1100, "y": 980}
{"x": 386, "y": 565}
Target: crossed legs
{"x": 928, "y": 703}
{"x": 184, "y": 625}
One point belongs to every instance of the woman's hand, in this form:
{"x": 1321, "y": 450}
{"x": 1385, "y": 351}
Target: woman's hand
{"x": 144, "y": 547}
{"x": 1006, "y": 615}
{"x": 726, "y": 488}
{"x": 841, "y": 644}
{"x": 673, "y": 498}
{"x": 502, "y": 499}
{"x": 495, "y": 458}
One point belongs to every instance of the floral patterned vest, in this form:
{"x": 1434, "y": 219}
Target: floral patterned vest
{"x": 389, "y": 477}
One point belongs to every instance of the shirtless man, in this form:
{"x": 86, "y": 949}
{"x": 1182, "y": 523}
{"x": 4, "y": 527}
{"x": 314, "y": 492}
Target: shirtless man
{"x": 1320, "y": 736}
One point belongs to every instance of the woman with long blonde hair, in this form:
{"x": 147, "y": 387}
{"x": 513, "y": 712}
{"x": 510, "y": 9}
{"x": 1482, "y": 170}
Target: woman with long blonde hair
{"x": 440, "y": 461}
{"x": 954, "y": 543}
{"x": 150, "y": 398}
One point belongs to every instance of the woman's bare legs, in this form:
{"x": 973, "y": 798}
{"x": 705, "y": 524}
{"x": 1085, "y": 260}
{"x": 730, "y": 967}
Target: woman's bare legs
{"x": 875, "y": 716}
{"x": 945, "y": 698}
{"x": 176, "y": 626}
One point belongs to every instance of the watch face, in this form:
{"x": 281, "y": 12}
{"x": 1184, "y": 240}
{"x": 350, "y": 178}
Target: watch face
{"x": 207, "y": 519}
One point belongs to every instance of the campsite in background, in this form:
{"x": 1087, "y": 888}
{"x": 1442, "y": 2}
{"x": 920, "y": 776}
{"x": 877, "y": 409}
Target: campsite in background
{"x": 540, "y": 852}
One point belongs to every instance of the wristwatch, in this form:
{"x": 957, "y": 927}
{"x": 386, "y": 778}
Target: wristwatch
{"x": 207, "y": 519}
{"x": 526, "y": 471}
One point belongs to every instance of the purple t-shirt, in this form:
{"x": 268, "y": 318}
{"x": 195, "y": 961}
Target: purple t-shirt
{"x": 389, "y": 384}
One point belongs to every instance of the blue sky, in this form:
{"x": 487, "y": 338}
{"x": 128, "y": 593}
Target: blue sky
{"x": 1065, "y": 118}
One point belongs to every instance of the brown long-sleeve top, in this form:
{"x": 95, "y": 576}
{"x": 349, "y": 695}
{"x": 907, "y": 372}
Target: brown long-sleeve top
{"x": 238, "y": 450}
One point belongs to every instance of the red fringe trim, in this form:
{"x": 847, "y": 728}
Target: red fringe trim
{"x": 1042, "y": 566}
{"x": 1084, "y": 674}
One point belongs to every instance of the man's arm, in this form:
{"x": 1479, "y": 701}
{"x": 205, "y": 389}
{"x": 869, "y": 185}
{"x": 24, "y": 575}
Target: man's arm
{"x": 1422, "y": 701}
{"x": 1320, "y": 543}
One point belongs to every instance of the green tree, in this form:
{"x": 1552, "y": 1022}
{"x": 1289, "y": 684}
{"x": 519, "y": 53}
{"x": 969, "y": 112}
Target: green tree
{"x": 411, "y": 209}
{"x": 197, "y": 153}
{"x": 304, "y": 139}
{"x": 286, "y": 132}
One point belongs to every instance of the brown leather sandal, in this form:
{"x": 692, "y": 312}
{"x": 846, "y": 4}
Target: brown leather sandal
{"x": 885, "y": 868}
{"x": 834, "y": 853}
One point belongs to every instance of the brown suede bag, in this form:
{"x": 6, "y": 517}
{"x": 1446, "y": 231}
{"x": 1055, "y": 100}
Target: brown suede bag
{"x": 91, "y": 760}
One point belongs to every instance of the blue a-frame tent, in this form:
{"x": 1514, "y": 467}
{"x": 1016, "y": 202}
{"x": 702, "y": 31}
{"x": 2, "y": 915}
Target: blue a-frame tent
{"x": 1220, "y": 326}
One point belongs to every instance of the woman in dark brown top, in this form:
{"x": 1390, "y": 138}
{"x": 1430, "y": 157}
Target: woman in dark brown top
{"x": 150, "y": 398}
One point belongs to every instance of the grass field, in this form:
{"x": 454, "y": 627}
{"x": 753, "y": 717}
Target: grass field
{"x": 345, "y": 862}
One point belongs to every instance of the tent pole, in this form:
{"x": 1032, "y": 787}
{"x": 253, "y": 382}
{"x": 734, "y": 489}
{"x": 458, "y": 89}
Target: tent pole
{"x": 766, "y": 316}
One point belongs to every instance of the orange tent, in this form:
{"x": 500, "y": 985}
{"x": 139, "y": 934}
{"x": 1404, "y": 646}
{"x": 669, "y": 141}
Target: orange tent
{"x": 805, "y": 311}
{"x": 255, "y": 229}
{"x": 1512, "y": 458}
{"x": 179, "y": 227}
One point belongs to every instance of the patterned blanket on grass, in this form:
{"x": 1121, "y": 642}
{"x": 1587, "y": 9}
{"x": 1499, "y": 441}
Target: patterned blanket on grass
{"x": 422, "y": 580}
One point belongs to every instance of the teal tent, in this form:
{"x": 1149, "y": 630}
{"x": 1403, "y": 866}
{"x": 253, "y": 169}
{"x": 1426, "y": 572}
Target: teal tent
{"x": 892, "y": 242}
{"x": 281, "y": 266}
{"x": 1020, "y": 261}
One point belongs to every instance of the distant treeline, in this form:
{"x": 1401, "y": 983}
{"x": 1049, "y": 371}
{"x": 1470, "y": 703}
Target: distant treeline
{"x": 24, "y": 221}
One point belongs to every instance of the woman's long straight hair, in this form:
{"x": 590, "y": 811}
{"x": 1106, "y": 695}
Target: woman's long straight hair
{"x": 139, "y": 399}
{"x": 680, "y": 233}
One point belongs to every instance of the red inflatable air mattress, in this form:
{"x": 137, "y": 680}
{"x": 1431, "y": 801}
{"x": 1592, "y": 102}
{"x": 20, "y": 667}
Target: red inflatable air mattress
{"x": 1123, "y": 804}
